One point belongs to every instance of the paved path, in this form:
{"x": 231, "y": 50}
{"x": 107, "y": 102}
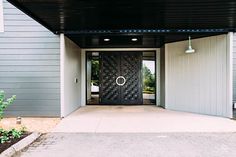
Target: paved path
{"x": 140, "y": 119}
{"x": 133, "y": 145}
{"x": 137, "y": 131}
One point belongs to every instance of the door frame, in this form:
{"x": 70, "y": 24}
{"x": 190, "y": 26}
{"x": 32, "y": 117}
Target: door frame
{"x": 84, "y": 70}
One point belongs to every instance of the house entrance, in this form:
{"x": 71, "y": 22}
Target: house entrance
{"x": 121, "y": 78}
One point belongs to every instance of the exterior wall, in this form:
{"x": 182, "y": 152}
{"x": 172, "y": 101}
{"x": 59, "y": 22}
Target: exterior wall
{"x": 1, "y": 16}
{"x": 29, "y": 65}
{"x": 198, "y": 82}
{"x": 70, "y": 76}
{"x": 234, "y": 68}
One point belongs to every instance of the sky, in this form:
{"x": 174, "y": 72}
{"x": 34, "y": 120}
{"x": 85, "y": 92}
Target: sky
{"x": 150, "y": 65}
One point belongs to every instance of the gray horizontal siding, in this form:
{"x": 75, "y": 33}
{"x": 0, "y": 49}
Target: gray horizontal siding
{"x": 29, "y": 51}
{"x": 32, "y": 40}
{"x": 29, "y": 79}
{"x": 25, "y": 34}
{"x": 30, "y": 85}
{"x": 40, "y": 68}
{"x": 28, "y": 46}
{"x": 29, "y": 57}
{"x": 29, "y": 65}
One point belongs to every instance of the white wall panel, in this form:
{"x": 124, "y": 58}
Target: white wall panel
{"x": 234, "y": 67}
{"x": 70, "y": 70}
{"x": 198, "y": 82}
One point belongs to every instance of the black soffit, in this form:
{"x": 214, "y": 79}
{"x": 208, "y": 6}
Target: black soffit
{"x": 125, "y": 41}
{"x": 86, "y": 21}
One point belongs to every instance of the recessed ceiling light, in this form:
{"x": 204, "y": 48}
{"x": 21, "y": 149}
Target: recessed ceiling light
{"x": 106, "y": 39}
{"x": 134, "y": 39}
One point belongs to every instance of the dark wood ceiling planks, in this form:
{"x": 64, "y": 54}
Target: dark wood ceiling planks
{"x": 69, "y": 16}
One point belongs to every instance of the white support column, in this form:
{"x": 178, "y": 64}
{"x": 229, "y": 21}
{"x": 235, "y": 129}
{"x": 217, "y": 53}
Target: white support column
{"x": 158, "y": 89}
{"x": 62, "y": 74}
{"x": 230, "y": 74}
{"x": 166, "y": 77}
{"x": 1, "y": 17}
{"x": 83, "y": 78}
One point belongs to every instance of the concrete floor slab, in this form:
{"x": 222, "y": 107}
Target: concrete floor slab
{"x": 140, "y": 119}
{"x": 133, "y": 145}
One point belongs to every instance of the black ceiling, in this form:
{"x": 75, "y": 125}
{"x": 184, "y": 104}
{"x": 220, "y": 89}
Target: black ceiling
{"x": 125, "y": 41}
{"x": 85, "y": 21}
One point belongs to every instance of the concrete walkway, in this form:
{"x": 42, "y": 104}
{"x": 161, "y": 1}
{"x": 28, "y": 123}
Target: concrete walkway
{"x": 133, "y": 145}
{"x": 136, "y": 131}
{"x": 140, "y": 119}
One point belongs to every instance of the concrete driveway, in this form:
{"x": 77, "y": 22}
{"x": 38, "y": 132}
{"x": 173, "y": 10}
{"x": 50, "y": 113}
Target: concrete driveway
{"x": 136, "y": 131}
{"x": 133, "y": 145}
{"x": 140, "y": 119}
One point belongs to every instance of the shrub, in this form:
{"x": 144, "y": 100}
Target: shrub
{"x": 5, "y": 102}
{"x": 8, "y": 135}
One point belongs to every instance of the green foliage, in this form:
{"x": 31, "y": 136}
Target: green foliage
{"x": 149, "y": 81}
{"x": 95, "y": 72}
{"x": 8, "y": 135}
{"x": 4, "y": 136}
{"x": 5, "y": 102}
{"x": 15, "y": 133}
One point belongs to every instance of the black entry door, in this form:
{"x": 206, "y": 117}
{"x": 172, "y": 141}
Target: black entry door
{"x": 120, "y": 78}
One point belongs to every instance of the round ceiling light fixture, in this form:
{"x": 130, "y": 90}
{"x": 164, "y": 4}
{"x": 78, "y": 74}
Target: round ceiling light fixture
{"x": 106, "y": 39}
{"x": 134, "y": 39}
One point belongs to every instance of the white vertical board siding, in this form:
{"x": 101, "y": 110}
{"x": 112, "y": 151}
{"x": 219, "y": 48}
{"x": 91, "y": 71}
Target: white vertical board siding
{"x": 70, "y": 71}
{"x": 29, "y": 65}
{"x": 234, "y": 67}
{"x": 197, "y": 82}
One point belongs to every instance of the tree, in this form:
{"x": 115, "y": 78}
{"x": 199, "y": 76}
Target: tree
{"x": 95, "y": 71}
{"x": 148, "y": 79}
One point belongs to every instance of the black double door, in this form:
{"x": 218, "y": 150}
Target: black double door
{"x": 120, "y": 78}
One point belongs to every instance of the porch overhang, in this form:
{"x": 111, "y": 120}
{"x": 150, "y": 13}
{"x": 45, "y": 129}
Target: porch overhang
{"x": 154, "y": 21}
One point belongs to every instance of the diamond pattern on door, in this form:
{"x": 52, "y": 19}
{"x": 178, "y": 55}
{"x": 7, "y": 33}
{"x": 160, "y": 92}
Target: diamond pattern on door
{"x": 131, "y": 92}
{"x": 128, "y": 65}
{"x": 109, "y": 91}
